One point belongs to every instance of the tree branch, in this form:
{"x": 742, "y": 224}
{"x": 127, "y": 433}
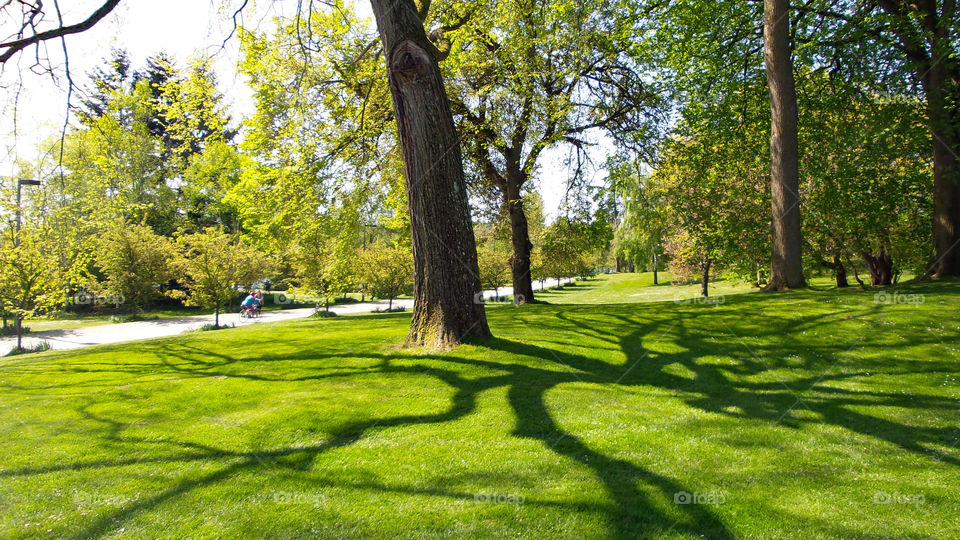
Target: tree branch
{"x": 17, "y": 45}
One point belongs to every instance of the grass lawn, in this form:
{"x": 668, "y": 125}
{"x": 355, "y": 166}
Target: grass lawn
{"x": 810, "y": 414}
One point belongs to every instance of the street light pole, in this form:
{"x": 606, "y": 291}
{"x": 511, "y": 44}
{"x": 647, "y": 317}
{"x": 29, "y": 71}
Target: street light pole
{"x": 16, "y": 242}
{"x": 20, "y": 183}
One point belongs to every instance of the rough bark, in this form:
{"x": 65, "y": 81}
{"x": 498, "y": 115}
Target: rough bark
{"x": 946, "y": 188}
{"x": 786, "y": 269}
{"x": 520, "y": 236}
{"x": 446, "y": 279}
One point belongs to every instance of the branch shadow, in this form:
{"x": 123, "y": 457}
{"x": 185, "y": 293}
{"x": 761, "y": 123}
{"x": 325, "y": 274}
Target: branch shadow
{"x": 634, "y": 512}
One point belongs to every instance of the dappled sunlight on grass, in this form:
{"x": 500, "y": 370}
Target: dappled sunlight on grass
{"x": 775, "y": 413}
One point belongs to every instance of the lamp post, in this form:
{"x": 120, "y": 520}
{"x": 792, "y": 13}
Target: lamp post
{"x": 20, "y": 183}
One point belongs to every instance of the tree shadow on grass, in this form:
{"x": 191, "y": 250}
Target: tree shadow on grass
{"x": 634, "y": 512}
{"x": 632, "y": 515}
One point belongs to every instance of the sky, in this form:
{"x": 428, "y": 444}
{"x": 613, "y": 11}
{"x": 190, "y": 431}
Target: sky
{"x": 33, "y": 106}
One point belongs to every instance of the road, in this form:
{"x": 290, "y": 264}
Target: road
{"x": 140, "y": 330}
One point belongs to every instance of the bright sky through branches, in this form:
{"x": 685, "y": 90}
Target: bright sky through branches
{"x": 33, "y": 104}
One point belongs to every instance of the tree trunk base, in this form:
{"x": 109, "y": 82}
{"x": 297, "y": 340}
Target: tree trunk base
{"x": 776, "y": 285}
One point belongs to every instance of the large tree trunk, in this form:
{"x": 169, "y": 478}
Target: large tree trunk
{"x": 446, "y": 277}
{"x": 786, "y": 270}
{"x": 520, "y": 235}
{"x": 880, "y": 267}
{"x": 924, "y": 31}
{"x": 944, "y": 123}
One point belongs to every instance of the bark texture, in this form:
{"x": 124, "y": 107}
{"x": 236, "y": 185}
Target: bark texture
{"x": 446, "y": 280}
{"x": 944, "y": 118}
{"x": 786, "y": 266}
{"x": 522, "y": 247}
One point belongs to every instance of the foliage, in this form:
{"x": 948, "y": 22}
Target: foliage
{"x": 572, "y": 248}
{"x": 32, "y": 280}
{"x": 387, "y": 271}
{"x": 215, "y": 266}
{"x": 135, "y": 262}
{"x": 642, "y": 224}
{"x": 324, "y": 261}
{"x": 36, "y": 347}
{"x": 866, "y": 177}
{"x": 494, "y": 267}
{"x": 207, "y": 179}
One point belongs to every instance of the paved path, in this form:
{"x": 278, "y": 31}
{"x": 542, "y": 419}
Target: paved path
{"x": 135, "y": 331}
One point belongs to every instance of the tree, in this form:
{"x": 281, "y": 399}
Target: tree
{"x": 444, "y": 250}
{"x": 213, "y": 265}
{"x": 698, "y": 210}
{"x": 570, "y": 247}
{"x": 135, "y": 262}
{"x": 31, "y": 278}
{"x": 786, "y": 269}
{"x": 386, "y": 270}
{"x": 866, "y": 196}
{"x": 208, "y": 178}
{"x": 642, "y": 225}
{"x": 494, "y": 269}
{"x": 927, "y": 33}
{"x": 324, "y": 261}
{"x": 526, "y": 76}
{"x": 190, "y": 106}
{"x": 105, "y": 82}
{"x": 899, "y": 44}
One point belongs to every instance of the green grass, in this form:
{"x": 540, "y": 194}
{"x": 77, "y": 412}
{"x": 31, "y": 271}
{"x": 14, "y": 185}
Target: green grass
{"x": 797, "y": 413}
{"x": 632, "y": 288}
